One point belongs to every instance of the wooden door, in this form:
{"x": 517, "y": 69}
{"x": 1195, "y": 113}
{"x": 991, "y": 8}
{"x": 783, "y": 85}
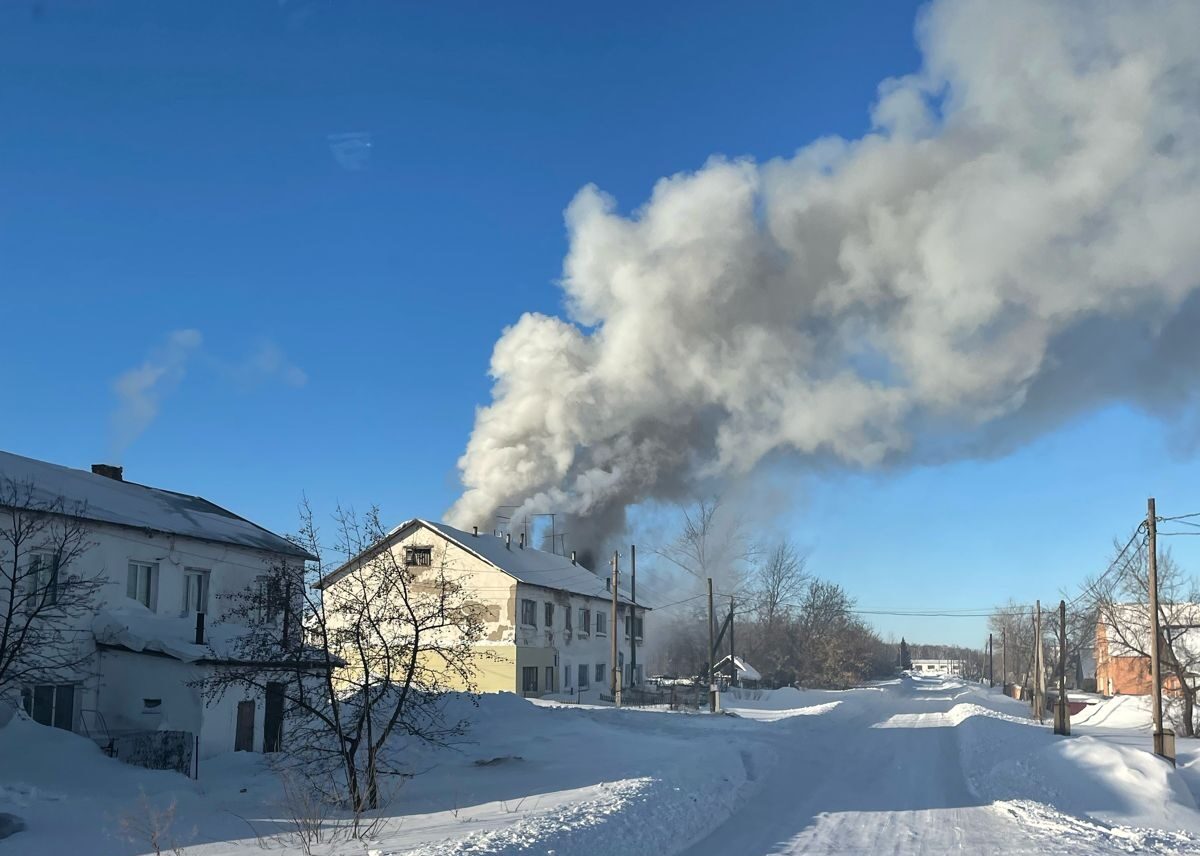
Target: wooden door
{"x": 273, "y": 718}
{"x": 243, "y": 740}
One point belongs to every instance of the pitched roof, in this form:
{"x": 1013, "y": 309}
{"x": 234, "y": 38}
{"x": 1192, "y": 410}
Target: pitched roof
{"x": 123, "y": 503}
{"x": 526, "y": 565}
{"x": 745, "y": 670}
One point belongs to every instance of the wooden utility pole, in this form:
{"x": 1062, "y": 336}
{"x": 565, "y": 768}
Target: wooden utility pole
{"x": 991, "y": 664}
{"x": 1004, "y": 659}
{"x": 1062, "y": 713}
{"x": 633, "y": 614}
{"x": 1161, "y": 747}
{"x": 732, "y": 662}
{"x": 616, "y": 669}
{"x": 712, "y": 687}
{"x": 1039, "y": 681}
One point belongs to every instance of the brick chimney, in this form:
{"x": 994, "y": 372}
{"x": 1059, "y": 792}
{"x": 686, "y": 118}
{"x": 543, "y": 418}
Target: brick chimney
{"x": 109, "y": 471}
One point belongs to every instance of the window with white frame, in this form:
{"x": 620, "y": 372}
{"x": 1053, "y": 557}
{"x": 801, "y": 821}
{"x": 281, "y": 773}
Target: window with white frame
{"x": 529, "y": 612}
{"x": 567, "y": 677}
{"x": 583, "y": 676}
{"x": 585, "y": 621}
{"x": 549, "y": 615}
{"x": 195, "y": 590}
{"x": 51, "y": 704}
{"x": 600, "y": 673}
{"x": 142, "y": 583}
{"x": 43, "y": 576}
{"x": 567, "y": 617}
{"x": 601, "y": 623}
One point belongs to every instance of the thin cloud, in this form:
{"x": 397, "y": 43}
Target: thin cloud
{"x": 140, "y": 390}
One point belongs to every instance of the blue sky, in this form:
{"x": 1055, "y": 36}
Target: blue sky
{"x": 167, "y": 166}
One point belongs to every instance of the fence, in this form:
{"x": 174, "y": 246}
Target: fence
{"x": 157, "y": 750}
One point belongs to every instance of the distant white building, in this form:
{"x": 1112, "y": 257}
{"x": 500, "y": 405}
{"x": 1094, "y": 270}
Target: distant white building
{"x": 169, "y": 563}
{"x": 747, "y": 675}
{"x": 937, "y": 668}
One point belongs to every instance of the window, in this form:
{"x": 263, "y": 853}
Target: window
{"x": 567, "y": 675}
{"x": 628, "y": 623}
{"x": 195, "y": 591}
{"x": 583, "y": 676}
{"x": 270, "y": 599}
{"x": 601, "y": 623}
{"x": 43, "y": 573}
{"x": 567, "y": 617}
{"x": 529, "y": 612}
{"x": 549, "y": 679}
{"x": 640, "y": 624}
{"x": 51, "y": 704}
{"x": 549, "y": 615}
{"x": 529, "y": 676}
{"x": 422, "y": 557}
{"x": 600, "y": 673}
{"x": 585, "y": 621}
{"x": 142, "y": 583}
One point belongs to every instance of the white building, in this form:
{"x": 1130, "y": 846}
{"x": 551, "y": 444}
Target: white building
{"x": 162, "y": 557}
{"x": 937, "y": 668}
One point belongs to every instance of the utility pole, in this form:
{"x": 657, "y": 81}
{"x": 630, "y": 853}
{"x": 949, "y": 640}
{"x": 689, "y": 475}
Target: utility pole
{"x": 633, "y": 614}
{"x": 1039, "y": 683}
{"x": 991, "y": 664}
{"x": 1004, "y": 659}
{"x": 616, "y": 670}
{"x": 1161, "y": 747}
{"x": 732, "y": 663}
{"x": 1062, "y": 713}
{"x": 712, "y": 687}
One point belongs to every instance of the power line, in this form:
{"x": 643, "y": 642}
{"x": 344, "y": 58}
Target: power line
{"x": 1091, "y": 587}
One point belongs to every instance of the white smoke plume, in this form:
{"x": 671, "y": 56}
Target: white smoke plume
{"x": 1014, "y": 243}
{"x": 140, "y": 390}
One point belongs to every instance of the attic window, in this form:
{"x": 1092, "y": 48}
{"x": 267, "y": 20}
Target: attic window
{"x": 420, "y": 556}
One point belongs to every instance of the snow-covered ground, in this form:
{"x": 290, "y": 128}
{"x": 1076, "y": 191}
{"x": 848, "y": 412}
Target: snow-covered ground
{"x": 907, "y": 766}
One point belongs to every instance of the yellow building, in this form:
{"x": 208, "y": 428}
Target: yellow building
{"x": 548, "y": 619}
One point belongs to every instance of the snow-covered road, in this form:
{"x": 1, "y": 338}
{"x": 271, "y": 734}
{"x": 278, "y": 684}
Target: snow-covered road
{"x": 909, "y": 766}
{"x": 890, "y": 769}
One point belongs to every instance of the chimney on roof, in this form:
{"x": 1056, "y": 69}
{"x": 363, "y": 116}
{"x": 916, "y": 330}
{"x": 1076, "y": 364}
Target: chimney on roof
{"x": 108, "y": 471}
{"x": 507, "y": 540}
{"x": 475, "y": 531}
{"x": 522, "y": 540}
{"x": 572, "y": 557}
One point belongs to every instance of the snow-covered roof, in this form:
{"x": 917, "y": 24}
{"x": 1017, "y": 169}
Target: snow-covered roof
{"x": 135, "y": 628}
{"x": 745, "y": 671}
{"x": 1128, "y": 627}
{"x": 123, "y": 503}
{"x": 526, "y": 565}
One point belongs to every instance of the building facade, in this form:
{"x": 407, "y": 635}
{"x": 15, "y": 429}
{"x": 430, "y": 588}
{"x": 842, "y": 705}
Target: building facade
{"x": 168, "y": 567}
{"x": 548, "y": 620}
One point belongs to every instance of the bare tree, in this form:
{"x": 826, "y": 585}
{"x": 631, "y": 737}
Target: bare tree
{"x": 361, "y": 656}
{"x": 1120, "y": 601}
{"x": 45, "y": 594}
{"x": 712, "y": 543}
